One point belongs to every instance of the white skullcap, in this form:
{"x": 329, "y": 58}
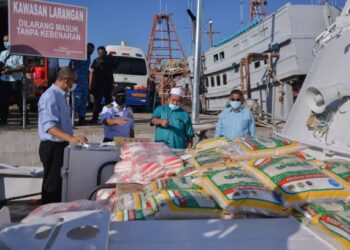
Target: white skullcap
{"x": 177, "y": 91}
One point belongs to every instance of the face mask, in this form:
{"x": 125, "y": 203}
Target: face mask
{"x": 6, "y": 45}
{"x": 173, "y": 106}
{"x": 74, "y": 86}
{"x": 235, "y": 104}
{"x": 120, "y": 100}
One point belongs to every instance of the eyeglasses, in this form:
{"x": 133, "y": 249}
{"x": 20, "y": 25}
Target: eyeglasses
{"x": 238, "y": 100}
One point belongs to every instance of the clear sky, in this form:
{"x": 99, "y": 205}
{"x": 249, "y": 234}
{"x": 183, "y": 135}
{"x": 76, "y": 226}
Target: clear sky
{"x": 111, "y": 21}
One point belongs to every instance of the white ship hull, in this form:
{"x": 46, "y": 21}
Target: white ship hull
{"x": 292, "y": 30}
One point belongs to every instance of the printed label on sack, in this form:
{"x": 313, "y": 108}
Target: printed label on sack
{"x": 174, "y": 183}
{"x": 294, "y": 176}
{"x": 314, "y": 209}
{"x": 237, "y": 185}
{"x": 342, "y": 170}
{"x": 339, "y": 224}
{"x": 185, "y": 199}
{"x": 262, "y": 143}
{"x": 187, "y": 171}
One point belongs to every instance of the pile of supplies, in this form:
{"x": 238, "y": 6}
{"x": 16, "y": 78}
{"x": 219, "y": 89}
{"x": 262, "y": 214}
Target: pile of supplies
{"x": 226, "y": 179}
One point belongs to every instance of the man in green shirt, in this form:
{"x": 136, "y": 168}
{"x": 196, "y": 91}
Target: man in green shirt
{"x": 173, "y": 124}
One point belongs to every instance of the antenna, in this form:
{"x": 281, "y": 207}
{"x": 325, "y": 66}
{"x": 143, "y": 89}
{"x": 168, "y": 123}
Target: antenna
{"x": 210, "y": 32}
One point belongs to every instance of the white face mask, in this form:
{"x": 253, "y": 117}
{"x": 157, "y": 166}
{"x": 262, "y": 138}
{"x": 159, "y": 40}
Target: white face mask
{"x": 74, "y": 86}
{"x": 235, "y": 104}
{"x": 173, "y": 106}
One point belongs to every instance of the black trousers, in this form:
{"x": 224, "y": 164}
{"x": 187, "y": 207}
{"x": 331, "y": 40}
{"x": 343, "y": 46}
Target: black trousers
{"x": 5, "y": 97}
{"x": 10, "y": 92}
{"x": 106, "y": 92}
{"x": 51, "y": 155}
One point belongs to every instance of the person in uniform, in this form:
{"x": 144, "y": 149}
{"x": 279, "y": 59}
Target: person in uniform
{"x": 55, "y": 131}
{"x": 117, "y": 118}
{"x": 100, "y": 81}
{"x": 173, "y": 124}
{"x": 235, "y": 121}
{"x": 81, "y": 92}
{"x": 11, "y": 68}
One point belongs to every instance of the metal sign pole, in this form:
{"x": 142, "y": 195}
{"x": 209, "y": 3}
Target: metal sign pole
{"x": 197, "y": 65}
{"x": 72, "y": 107}
{"x": 24, "y": 103}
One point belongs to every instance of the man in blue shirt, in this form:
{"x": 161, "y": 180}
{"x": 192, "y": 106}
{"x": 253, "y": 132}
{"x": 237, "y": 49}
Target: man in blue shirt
{"x": 118, "y": 119}
{"x": 55, "y": 132}
{"x": 11, "y": 67}
{"x": 81, "y": 92}
{"x": 173, "y": 124}
{"x": 235, "y": 121}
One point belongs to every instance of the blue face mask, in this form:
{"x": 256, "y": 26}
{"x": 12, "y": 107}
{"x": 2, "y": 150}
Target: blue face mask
{"x": 6, "y": 45}
{"x": 235, "y": 104}
{"x": 173, "y": 106}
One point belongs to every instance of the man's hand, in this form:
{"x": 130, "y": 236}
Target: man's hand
{"x": 164, "y": 123}
{"x": 78, "y": 139}
{"x": 190, "y": 142}
{"x": 7, "y": 71}
{"x": 120, "y": 121}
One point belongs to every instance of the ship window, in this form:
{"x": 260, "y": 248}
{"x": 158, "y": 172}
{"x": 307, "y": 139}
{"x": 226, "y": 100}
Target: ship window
{"x": 216, "y": 57}
{"x": 206, "y": 82}
{"x": 218, "y": 80}
{"x": 257, "y": 64}
{"x": 224, "y": 79}
{"x": 212, "y": 81}
{"x": 222, "y": 55}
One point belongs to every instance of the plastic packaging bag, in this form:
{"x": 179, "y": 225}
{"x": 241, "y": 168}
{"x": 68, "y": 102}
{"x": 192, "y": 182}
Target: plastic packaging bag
{"x": 296, "y": 180}
{"x": 209, "y": 144}
{"x": 109, "y": 193}
{"x": 188, "y": 171}
{"x": 312, "y": 211}
{"x": 129, "y": 149}
{"x": 184, "y": 204}
{"x": 212, "y": 161}
{"x": 236, "y": 191}
{"x": 246, "y": 148}
{"x": 169, "y": 184}
{"x": 332, "y": 218}
{"x": 131, "y": 201}
{"x": 131, "y": 215}
{"x": 337, "y": 225}
{"x": 123, "y": 167}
